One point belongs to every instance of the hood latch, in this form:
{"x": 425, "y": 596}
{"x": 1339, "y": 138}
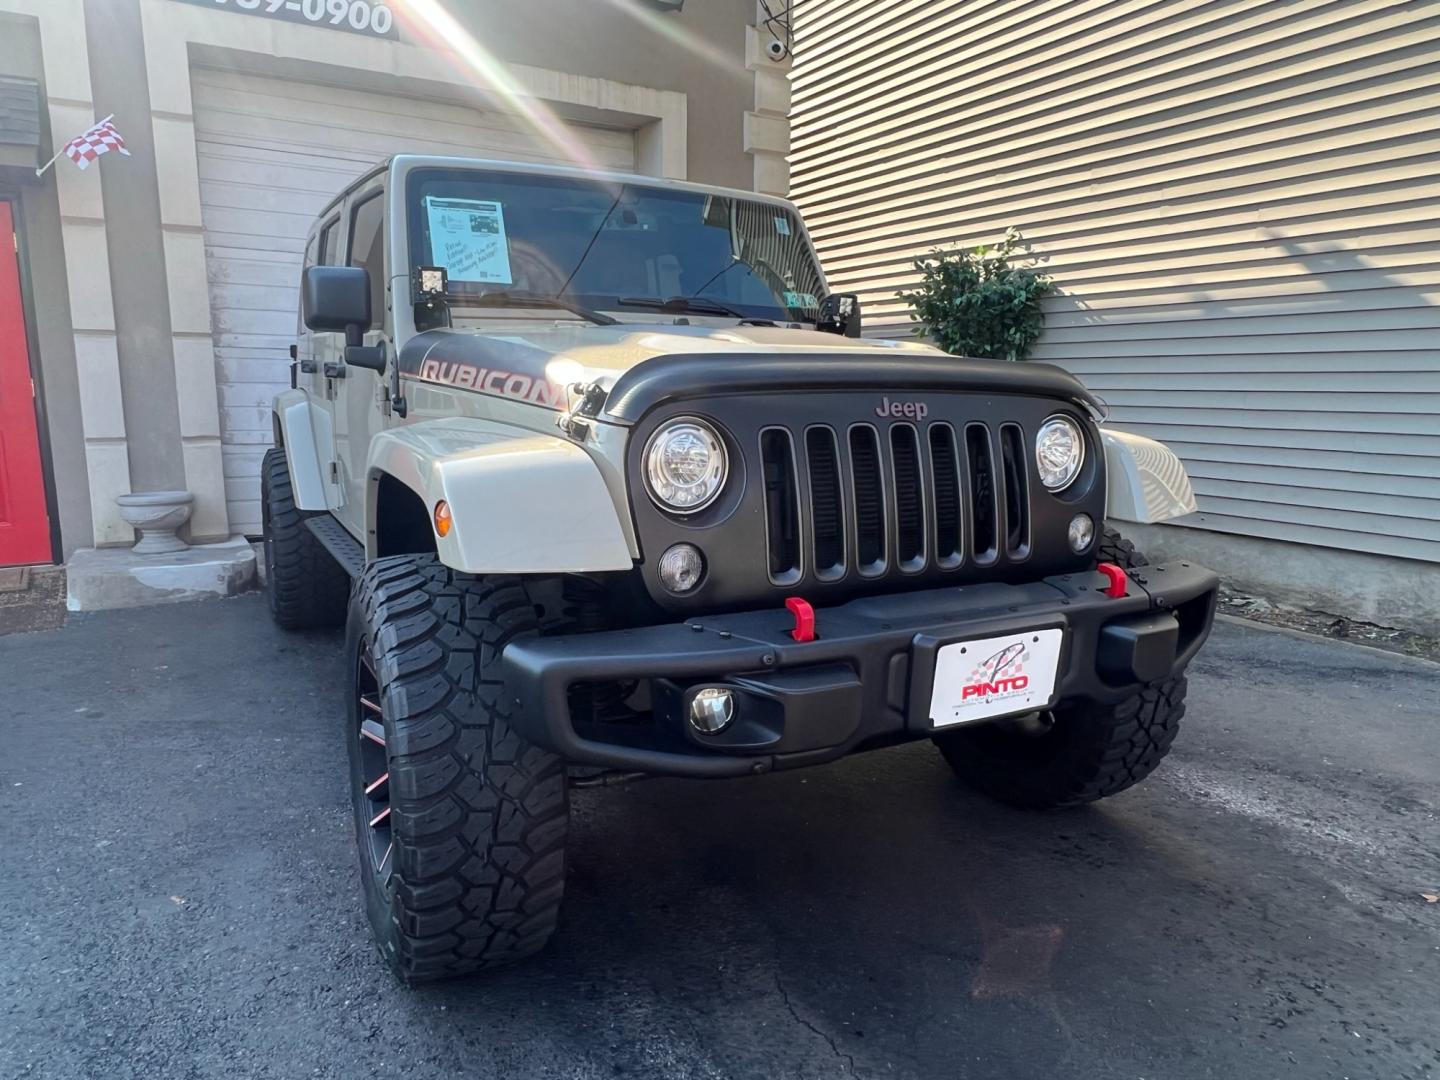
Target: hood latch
{"x": 585, "y": 404}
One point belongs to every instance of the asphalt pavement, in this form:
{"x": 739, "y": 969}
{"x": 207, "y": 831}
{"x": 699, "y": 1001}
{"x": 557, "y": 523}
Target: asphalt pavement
{"x": 179, "y": 894}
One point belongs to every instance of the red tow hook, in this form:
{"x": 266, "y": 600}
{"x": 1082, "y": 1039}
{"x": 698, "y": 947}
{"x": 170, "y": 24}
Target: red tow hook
{"x": 804, "y": 619}
{"x": 1116, "y": 577}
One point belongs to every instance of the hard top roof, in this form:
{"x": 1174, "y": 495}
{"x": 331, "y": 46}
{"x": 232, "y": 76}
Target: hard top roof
{"x": 405, "y": 163}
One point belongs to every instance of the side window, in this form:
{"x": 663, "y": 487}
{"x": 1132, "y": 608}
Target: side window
{"x": 367, "y": 249}
{"x": 330, "y": 243}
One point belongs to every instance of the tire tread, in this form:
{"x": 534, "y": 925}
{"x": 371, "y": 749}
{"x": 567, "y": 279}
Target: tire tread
{"x": 479, "y": 815}
{"x": 1106, "y": 748}
{"x": 307, "y": 587}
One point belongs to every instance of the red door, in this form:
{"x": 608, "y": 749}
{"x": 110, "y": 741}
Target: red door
{"x": 24, "y": 521}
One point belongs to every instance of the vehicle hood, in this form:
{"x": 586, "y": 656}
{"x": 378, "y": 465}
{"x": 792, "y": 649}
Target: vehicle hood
{"x": 635, "y": 364}
{"x": 585, "y": 353}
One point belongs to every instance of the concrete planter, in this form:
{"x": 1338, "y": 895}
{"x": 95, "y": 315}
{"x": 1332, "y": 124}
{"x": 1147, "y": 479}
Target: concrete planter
{"x": 156, "y": 515}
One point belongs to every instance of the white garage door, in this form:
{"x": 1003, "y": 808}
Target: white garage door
{"x": 272, "y": 153}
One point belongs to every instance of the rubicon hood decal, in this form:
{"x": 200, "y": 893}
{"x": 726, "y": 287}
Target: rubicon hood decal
{"x": 497, "y": 366}
{"x": 494, "y": 381}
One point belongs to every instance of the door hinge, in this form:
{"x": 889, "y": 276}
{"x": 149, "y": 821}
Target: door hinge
{"x": 334, "y": 472}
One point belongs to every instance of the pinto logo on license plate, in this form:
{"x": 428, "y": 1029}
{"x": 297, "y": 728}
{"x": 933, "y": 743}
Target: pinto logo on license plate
{"x": 998, "y": 676}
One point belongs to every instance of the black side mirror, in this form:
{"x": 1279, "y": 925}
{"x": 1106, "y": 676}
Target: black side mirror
{"x": 839, "y": 314}
{"x": 335, "y": 298}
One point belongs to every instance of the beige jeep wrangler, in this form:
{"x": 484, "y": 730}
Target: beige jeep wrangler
{"x": 604, "y": 484}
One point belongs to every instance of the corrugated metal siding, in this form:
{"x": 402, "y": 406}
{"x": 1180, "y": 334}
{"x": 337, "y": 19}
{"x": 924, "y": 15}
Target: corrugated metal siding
{"x": 1239, "y": 202}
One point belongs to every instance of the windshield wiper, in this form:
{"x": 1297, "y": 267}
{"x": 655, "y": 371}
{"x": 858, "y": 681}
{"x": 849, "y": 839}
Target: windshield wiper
{"x": 680, "y": 305}
{"x": 503, "y": 298}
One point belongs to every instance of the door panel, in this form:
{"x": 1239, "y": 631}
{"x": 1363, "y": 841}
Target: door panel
{"x": 363, "y": 389}
{"x": 322, "y": 350}
{"x": 24, "y": 517}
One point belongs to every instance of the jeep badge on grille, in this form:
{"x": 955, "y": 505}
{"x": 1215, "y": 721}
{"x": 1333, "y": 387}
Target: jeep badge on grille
{"x": 910, "y": 410}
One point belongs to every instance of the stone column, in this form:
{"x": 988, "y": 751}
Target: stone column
{"x": 767, "y": 126}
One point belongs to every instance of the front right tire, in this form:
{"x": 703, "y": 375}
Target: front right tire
{"x": 461, "y": 822}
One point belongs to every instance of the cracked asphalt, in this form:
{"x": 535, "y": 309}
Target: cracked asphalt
{"x": 179, "y": 898}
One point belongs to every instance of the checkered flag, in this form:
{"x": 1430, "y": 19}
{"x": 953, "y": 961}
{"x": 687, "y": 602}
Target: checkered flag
{"x": 83, "y": 149}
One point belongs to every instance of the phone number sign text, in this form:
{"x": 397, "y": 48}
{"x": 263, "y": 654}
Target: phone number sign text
{"x": 370, "y": 17}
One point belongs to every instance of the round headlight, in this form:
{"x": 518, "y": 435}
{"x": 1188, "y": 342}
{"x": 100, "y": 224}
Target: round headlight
{"x": 1059, "y": 452}
{"x": 685, "y": 465}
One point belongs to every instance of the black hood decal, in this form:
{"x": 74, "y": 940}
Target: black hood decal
{"x": 516, "y": 369}
{"x": 495, "y": 366}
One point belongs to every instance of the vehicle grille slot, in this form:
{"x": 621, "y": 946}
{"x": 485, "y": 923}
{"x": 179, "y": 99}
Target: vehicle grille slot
{"x": 945, "y": 483}
{"x": 782, "y": 506}
{"x": 1017, "y": 501}
{"x": 869, "y": 494}
{"x": 909, "y": 505}
{"x": 826, "y": 514}
{"x": 984, "y": 513}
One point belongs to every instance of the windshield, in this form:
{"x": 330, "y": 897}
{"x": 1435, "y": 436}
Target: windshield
{"x": 612, "y": 247}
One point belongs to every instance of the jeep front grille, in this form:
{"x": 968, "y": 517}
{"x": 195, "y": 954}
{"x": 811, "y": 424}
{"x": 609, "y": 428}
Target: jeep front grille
{"x": 827, "y": 514}
{"x": 906, "y": 499}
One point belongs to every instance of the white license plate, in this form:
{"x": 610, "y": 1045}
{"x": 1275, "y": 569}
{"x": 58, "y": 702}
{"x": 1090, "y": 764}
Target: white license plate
{"x": 996, "y": 676}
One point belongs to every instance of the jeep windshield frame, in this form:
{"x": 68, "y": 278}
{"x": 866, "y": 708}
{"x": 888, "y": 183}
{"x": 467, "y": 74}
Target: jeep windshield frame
{"x": 601, "y": 243}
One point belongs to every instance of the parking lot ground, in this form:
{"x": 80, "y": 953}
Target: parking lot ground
{"x": 179, "y": 896}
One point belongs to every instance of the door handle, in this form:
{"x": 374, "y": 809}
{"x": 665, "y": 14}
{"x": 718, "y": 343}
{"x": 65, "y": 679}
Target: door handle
{"x": 307, "y": 366}
{"x": 334, "y": 371}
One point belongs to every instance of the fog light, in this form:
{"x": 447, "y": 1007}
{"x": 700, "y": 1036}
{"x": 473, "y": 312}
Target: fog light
{"x": 1082, "y": 532}
{"x": 712, "y": 710}
{"x": 681, "y": 568}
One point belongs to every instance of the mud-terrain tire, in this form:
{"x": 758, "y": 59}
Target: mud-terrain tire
{"x": 1078, "y": 753}
{"x": 465, "y": 868}
{"x": 306, "y": 587}
{"x": 1114, "y": 548}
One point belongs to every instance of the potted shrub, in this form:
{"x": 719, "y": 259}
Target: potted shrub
{"x": 978, "y": 302}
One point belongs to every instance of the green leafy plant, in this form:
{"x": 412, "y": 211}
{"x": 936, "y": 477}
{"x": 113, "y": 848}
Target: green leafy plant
{"x": 977, "y": 302}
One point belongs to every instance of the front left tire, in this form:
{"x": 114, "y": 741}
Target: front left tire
{"x": 1079, "y": 752}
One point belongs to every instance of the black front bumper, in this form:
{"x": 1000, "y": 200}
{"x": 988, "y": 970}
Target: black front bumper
{"x": 865, "y": 681}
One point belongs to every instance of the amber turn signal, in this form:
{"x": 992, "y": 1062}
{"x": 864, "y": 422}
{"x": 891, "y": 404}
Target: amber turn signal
{"x": 442, "y": 518}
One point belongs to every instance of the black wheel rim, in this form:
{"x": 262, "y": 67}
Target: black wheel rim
{"x": 373, "y": 798}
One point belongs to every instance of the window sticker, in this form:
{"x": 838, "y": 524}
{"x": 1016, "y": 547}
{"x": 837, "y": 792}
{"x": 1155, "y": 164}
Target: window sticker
{"x": 467, "y": 237}
{"x": 782, "y": 225}
{"x": 800, "y": 299}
